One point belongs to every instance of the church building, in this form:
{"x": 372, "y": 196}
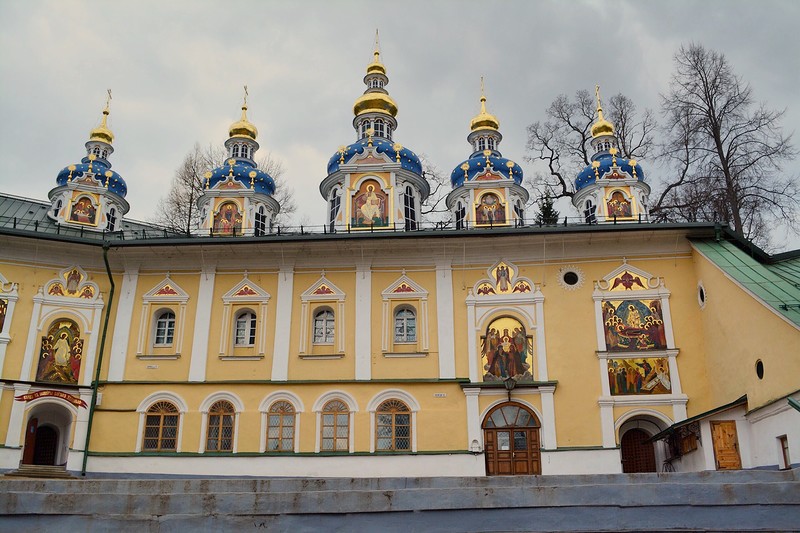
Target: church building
{"x": 377, "y": 345}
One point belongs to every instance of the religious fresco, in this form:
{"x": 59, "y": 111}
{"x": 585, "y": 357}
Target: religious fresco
{"x": 506, "y": 351}
{"x": 61, "y": 353}
{"x": 370, "y": 206}
{"x": 618, "y": 205}
{"x": 83, "y": 211}
{"x": 633, "y": 325}
{"x": 639, "y": 376}
{"x": 490, "y": 210}
{"x": 228, "y": 220}
{"x": 3, "y": 311}
{"x": 72, "y": 284}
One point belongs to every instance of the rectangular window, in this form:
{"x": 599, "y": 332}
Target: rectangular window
{"x": 783, "y": 442}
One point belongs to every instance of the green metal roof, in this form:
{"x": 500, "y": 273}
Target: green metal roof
{"x": 775, "y": 282}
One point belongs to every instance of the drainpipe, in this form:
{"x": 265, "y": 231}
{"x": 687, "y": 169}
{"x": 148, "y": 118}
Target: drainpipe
{"x": 96, "y": 381}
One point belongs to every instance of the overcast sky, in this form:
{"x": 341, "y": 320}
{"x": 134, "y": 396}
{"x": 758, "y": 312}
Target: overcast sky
{"x": 177, "y": 68}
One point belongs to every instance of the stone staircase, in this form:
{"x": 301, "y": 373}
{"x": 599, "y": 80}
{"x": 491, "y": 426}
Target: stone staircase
{"x": 41, "y": 471}
{"x": 701, "y": 501}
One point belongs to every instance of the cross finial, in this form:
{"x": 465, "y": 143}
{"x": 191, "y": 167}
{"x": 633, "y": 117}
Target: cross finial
{"x": 245, "y": 96}
{"x": 108, "y": 98}
{"x": 377, "y": 51}
{"x": 597, "y": 95}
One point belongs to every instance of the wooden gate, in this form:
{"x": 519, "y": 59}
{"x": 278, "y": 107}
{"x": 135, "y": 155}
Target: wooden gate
{"x": 638, "y": 455}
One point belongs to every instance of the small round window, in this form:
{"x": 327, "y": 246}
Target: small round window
{"x": 760, "y": 369}
{"x": 701, "y": 295}
{"x": 570, "y": 277}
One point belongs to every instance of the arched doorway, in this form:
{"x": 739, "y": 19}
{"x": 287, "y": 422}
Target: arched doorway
{"x": 511, "y": 441}
{"x": 638, "y": 455}
{"x": 47, "y": 432}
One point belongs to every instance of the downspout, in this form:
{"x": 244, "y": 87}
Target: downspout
{"x": 96, "y": 381}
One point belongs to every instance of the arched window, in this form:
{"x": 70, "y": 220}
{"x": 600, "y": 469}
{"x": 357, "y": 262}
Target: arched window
{"x": 335, "y": 427}
{"x": 260, "y": 225}
{"x": 165, "y": 329}
{"x": 245, "y": 333}
{"x": 410, "y": 209}
{"x": 379, "y": 131}
{"x": 96, "y": 151}
{"x": 219, "y": 437}
{"x": 393, "y": 426}
{"x": 112, "y": 219}
{"x": 589, "y": 212}
{"x": 104, "y": 154}
{"x": 405, "y": 325}
{"x": 324, "y": 327}
{"x": 335, "y": 204}
{"x": 161, "y": 427}
{"x": 461, "y": 214}
{"x": 388, "y": 131}
{"x": 519, "y": 210}
{"x": 490, "y": 143}
{"x": 245, "y": 151}
{"x": 481, "y": 144}
{"x": 280, "y": 427}
{"x": 57, "y": 208}
{"x": 235, "y": 150}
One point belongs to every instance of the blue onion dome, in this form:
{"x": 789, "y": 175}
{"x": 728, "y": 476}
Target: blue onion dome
{"x": 102, "y": 170}
{"x": 407, "y": 159}
{"x": 479, "y": 162}
{"x": 601, "y": 167}
{"x": 243, "y": 171}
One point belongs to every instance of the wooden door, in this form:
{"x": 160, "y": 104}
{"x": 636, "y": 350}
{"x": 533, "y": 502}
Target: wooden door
{"x": 726, "y": 445}
{"x": 30, "y": 441}
{"x": 511, "y": 442}
{"x": 44, "y": 452}
{"x": 638, "y": 455}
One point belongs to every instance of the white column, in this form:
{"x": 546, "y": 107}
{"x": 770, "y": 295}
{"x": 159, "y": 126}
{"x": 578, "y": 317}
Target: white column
{"x": 122, "y": 325}
{"x": 445, "y": 321}
{"x": 473, "y": 418}
{"x": 202, "y": 325}
{"x": 33, "y": 337}
{"x": 283, "y": 324}
{"x": 549, "y": 418}
{"x": 541, "y": 350}
{"x": 472, "y": 343}
{"x": 10, "y": 297}
{"x": 82, "y": 422}
{"x": 363, "y": 326}
{"x": 17, "y": 418}
{"x": 607, "y": 423}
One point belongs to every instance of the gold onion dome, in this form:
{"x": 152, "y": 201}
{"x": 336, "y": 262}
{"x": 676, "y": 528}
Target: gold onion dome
{"x": 375, "y": 103}
{"x": 101, "y": 133}
{"x": 484, "y": 120}
{"x": 376, "y": 67}
{"x": 243, "y": 127}
{"x": 602, "y": 126}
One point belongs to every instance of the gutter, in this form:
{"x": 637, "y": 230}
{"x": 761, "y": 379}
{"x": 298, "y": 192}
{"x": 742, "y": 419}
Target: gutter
{"x": 96, "y": 381}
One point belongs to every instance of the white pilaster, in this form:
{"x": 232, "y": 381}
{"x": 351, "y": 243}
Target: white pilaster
{"x": 11, "y": 298}
{"x": 472, "y": 343}
{"x": 202, "y": 325}
{"x": 30, "y": 346}
{"x": 474, "y": 432}
{"x": 91, "y": 353}
{"x": 548, "y": 418}
{"x": 607, "y": 423}
{"x": 363, "y": 326}
{"x": 17, "y": 418}
{"x": 82, "y": 422}
{"x": 122, "y": 326}
{"x": 445, "y": 321}
{"x": 283, "y": 325}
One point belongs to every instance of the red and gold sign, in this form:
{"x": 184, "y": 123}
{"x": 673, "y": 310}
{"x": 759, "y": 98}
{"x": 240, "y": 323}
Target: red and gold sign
{"x": 74, "y": 400}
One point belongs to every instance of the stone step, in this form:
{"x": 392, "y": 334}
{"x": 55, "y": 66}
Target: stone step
{"x": 40, "y": 471}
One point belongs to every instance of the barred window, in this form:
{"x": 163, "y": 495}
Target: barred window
{"x": 280, "y": 427}
{"x": 220, "y": 427}
{"x": 393, "y": 426}
{"x": 335, "y": 427}
{"x": 161, "y": 428}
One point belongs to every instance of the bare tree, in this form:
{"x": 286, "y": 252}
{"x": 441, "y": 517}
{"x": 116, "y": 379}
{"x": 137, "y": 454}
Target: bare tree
{"x": 434, "y": 208}
{"x": 563, "y": 140}
{"x": 178, "y": 209}
{"x": 726, "y": 149}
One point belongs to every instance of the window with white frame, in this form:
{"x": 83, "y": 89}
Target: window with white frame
{"x": 324, "y": 327}
{"x": 589, "y": 212}
{"x": 112, "y": 219}
{"x": 379, "y": 130}
{"x": 260, "y": 225}
{"x": 405, "y": 325}
{"x": 281, "y": 427}
{"x": 335, "y": 204}
{"x": 165, "y": 329}
{"x": 461, "y": 214}
{"x": 481, "y": 144}
{"x": 410, "y": 209}
{"x": 490, "y": 143}
{"x": 245, "y": 329}
{"x": 335, "y": 427}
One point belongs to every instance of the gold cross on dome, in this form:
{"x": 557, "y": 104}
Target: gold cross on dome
{"x": 245, "y": 96}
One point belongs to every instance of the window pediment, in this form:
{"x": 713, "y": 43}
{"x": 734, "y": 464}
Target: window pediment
{"x": 166, "y": 290}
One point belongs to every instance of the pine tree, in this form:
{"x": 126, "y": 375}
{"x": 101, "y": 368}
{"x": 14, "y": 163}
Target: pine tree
{"x": 547, "y": 214}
